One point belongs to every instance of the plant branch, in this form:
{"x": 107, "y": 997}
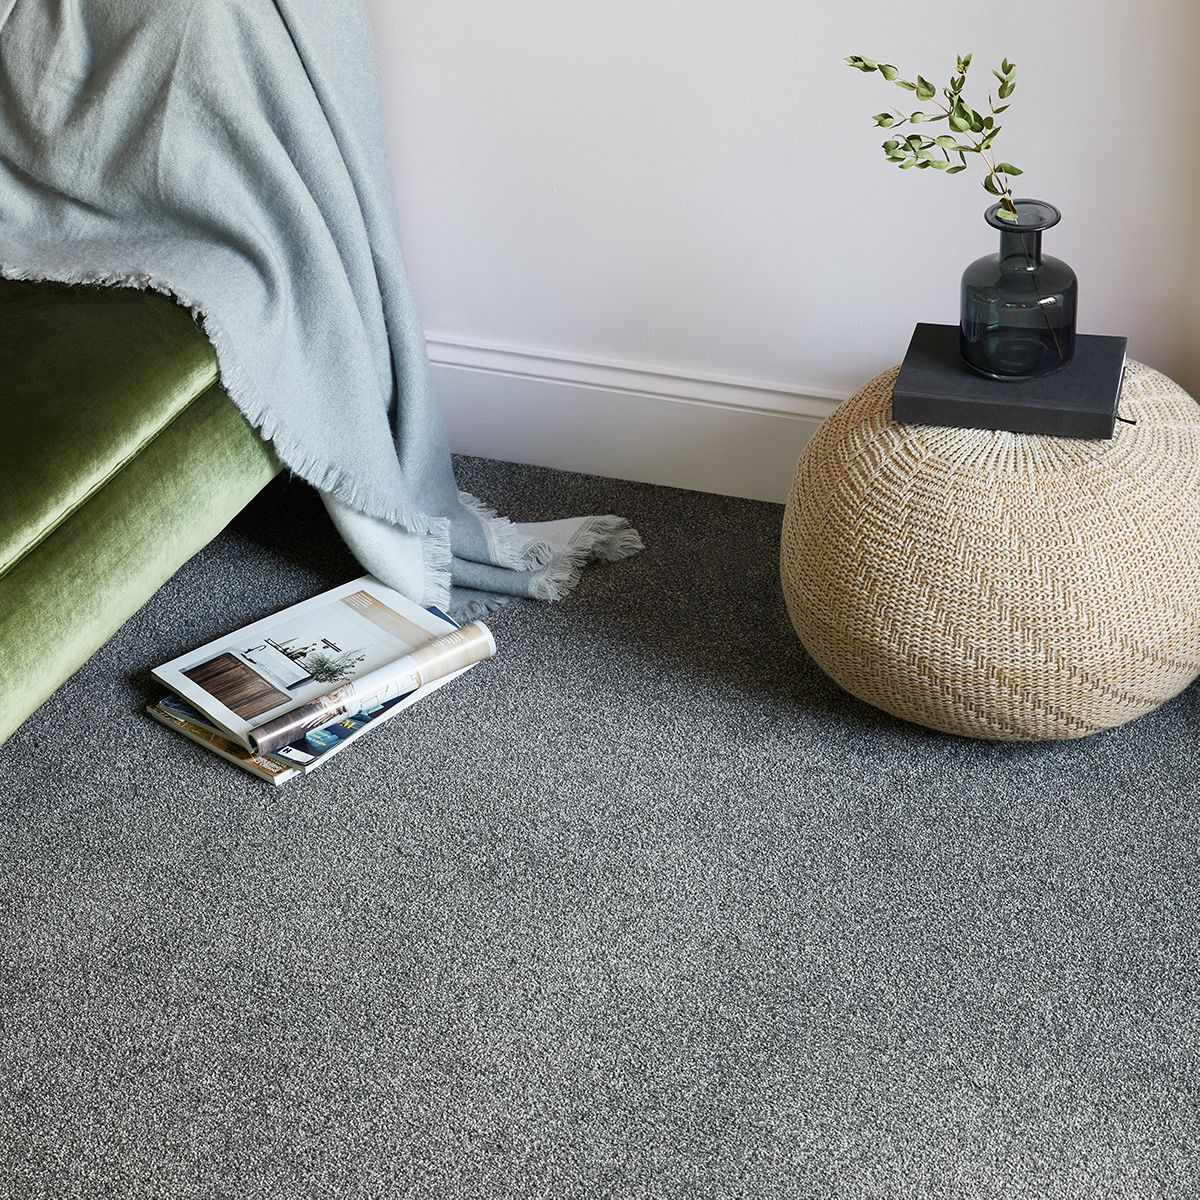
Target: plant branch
{"x": 980, "y": 131}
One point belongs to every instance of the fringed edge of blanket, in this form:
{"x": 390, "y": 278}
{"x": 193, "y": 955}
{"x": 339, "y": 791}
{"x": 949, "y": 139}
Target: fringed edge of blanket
{"x": 510, "y": 547}
{"x": 608, "y": 539}
{"x": 437, "y": 558}
{"x": 557, "y": 569}
{"x": 471, "y": 605}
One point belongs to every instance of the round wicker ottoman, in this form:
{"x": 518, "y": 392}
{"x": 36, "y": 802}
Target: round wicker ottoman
{"x": 1001, "y": 585}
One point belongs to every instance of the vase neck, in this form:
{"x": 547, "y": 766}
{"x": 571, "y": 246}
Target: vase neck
{"x": 1021, "y": 251}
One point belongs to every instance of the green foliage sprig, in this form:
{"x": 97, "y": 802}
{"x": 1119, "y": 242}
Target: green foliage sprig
{"x": 974, "y": 133}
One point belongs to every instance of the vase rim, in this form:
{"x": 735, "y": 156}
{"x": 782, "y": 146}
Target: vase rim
{"x": 1036, "y": 216}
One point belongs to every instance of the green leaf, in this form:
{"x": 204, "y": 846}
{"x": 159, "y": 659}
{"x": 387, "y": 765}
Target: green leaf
{"x": 1009, "y": 169}
{"x": 917, "y": 118}
{"x": 1008, "y": 67}
{"x": 939, "y": 164}
{"x": 908, "y": 87}
{"x": 1000, "y": 109}
{"x": 888, "y": 71}
{"x": 958, "y": 83}
{"x": 986, "y": 144}
{"x": 965, "y": 60}
{"x": 1006, "y": 203}
{"x": 956, "y": 122}
{"x": 946, "y": 142}
{"x": 884, "y": 120}
{"x": 955, "y": 170}
{"x": 909, "y": 162}
{"x": 1000, "y": 77}
{"x": 1007, "y": 90}
{"x": 890, "y": 145}
{"x": 913, "y": 141}
{"x": 924, "y": 163}
{"x": 925, "y": 89}
{"x": 992, "y": 186}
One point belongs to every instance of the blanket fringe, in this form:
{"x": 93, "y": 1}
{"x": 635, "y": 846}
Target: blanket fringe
{"x": 614, "y": 539}
{"x": 437, "y": 557}
{"x": 510, "y": 547}
{"x": 477, "y": 605}
{"x": 608, "y": 538}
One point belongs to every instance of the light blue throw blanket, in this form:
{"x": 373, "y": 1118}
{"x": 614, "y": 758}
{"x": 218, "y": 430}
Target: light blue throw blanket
{"x": 231, "y": 154}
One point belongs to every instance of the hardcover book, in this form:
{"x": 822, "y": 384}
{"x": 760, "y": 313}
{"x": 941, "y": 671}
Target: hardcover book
{"x": 935, "y": 387}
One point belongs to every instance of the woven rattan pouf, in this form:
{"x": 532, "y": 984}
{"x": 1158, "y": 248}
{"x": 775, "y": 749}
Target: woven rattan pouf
{"x": 1001, "y": 585}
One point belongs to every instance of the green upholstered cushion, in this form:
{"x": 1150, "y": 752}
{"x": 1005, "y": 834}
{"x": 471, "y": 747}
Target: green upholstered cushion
{"x": 122, "y": 458}
{"x": 88, "y": 377}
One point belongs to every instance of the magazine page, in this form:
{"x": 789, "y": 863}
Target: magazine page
{"x": 287, "y": 660}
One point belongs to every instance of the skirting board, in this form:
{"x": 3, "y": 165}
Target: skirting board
{"x": 734, "y": 437}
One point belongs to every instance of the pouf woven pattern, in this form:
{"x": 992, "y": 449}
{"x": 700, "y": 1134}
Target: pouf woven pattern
{"x": 1001, "y": 585}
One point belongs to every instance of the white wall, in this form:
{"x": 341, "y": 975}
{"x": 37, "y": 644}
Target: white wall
{"x": 657, "y": 238}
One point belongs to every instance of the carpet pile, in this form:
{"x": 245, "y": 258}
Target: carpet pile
{"x": 645, "y": 907}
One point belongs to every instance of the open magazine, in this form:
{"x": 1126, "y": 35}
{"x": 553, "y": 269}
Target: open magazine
{"x": 282, "y": 696}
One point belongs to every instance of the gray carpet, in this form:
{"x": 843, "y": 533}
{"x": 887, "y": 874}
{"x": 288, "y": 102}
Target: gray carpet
{"x": 644, "y": 908}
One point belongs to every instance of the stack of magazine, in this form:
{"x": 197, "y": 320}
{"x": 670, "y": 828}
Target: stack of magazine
{"x": 283, "y": 696}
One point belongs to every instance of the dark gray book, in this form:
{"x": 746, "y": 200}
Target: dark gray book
{"x": 935, "y": 387}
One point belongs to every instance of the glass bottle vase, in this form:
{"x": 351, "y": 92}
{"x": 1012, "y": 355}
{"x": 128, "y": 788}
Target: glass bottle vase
{"x": 1018, "y": 306}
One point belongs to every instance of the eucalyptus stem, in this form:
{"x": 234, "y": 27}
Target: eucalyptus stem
{"x": 917, "y": 150}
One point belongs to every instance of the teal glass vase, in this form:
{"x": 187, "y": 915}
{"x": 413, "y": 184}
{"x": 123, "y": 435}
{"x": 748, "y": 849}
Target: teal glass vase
{"x": 1018, "y": 306}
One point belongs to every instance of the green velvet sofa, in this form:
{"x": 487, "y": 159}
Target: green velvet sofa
{"x": 121, "y": 458}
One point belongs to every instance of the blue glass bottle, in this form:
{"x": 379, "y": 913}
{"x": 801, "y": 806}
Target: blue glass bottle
{"x": 1018, "y": 306}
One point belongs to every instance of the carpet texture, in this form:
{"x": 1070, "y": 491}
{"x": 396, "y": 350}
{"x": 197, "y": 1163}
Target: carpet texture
{"x": 743, "y": 937}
